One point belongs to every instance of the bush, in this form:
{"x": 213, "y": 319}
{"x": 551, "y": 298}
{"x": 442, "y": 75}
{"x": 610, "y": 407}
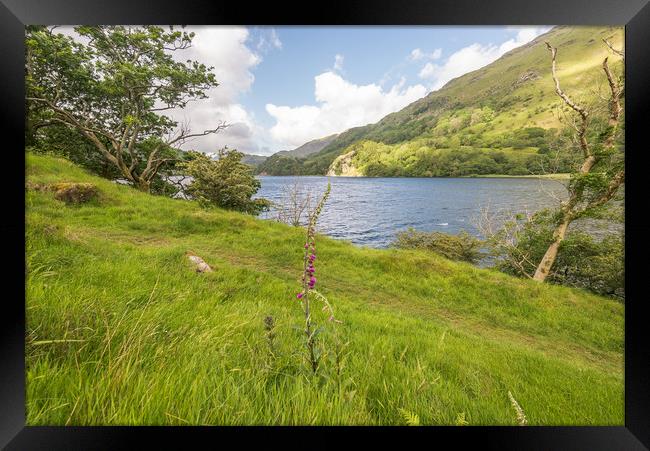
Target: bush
{"x": 226, "y": 183}
{"x": 582, "y": 261}
{"x": 463, "y": 246}
{"x": 595, "y": 265}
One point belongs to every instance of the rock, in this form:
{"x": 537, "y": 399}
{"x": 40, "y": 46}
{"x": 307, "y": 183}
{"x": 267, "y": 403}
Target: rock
{"x": 343, "y": 166}
{"x": 529, "y": 75}
{"x": 74, "y": 193}
{"x": 201, "y": 265}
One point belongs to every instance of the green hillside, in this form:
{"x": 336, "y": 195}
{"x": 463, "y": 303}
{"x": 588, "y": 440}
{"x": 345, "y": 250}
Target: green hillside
{"x": 287, "y": 162}
{"x": 253, "y": 160}
{"x": 499, "y": 119}
{"x": 121, "y": 330}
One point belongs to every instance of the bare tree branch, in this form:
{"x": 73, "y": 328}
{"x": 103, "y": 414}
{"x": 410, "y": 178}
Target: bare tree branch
{"x": 611, "y": 47}
{"x": 185, "y": 135}
{"x": 582, "y": 112}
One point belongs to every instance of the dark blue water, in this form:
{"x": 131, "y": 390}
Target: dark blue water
{"x": 370, "y": 211}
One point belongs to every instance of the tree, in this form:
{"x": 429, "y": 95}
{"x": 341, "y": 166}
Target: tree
{"x": 601, "y": 171}
{"x": 113, "y": 89}
{"x": 226, "y": 183}
{"x": 583, "y": 261}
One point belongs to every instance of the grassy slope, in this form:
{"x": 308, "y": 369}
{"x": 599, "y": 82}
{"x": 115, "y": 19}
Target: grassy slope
{"x": 149, "y": 341}
{"x": 517, "y": 104}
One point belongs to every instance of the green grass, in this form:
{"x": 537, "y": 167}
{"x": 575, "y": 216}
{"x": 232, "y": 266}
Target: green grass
{"x": 122, "y": 331}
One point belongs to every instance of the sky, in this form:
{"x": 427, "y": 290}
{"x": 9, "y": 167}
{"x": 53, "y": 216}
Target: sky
{"x": 281, "y": 87}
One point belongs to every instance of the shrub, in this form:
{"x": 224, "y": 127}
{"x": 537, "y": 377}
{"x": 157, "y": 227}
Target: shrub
{"x": 463, "y": 246}
{"x": 226, "y": 183}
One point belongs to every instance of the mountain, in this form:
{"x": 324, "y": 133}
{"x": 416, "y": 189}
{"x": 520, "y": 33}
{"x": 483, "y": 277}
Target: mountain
{"x": 501, "y": 118}
{"x": 287, "y": 162}
{"x": 309, "y": 148}
{"x": 253, "y": 160}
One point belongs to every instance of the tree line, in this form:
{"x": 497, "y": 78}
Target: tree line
{"x": 101, "y": 99}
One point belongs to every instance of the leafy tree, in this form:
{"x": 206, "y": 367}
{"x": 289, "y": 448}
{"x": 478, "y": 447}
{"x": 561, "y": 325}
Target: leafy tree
{"x": 113, "y": 90}
{"x": 74, "y": 146}
{"x": 582, "y": 261}
{"x": 601, "y": 172}
{"x": 226, "y": 183}
{"x": 71, "y": 144}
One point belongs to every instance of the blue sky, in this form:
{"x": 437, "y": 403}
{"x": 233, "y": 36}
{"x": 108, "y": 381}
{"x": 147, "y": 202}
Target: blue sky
{"x": 370, "y": 55}
{"x": 283, "y": 86}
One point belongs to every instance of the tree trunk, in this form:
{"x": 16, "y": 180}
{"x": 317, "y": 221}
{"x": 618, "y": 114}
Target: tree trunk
{"x": 143, "y": 185}
{"x": 544, "y": 267}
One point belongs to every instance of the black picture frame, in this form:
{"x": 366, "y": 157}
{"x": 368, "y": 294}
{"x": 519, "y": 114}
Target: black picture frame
{"x": 633, "y": 14}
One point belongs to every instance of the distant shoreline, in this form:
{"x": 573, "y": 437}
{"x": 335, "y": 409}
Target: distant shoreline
{"x": 559, "y": 176}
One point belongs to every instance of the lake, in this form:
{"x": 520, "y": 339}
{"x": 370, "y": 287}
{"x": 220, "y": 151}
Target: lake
{"x": 370, "y": 211}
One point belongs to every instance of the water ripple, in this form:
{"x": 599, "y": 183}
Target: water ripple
{"x": 370, "y": 211}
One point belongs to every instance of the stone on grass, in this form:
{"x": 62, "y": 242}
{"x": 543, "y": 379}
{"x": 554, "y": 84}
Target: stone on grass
{"x": 201, "y": 265}
{"x": 74, "y": 193}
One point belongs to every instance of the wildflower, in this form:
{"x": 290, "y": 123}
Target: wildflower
{"x": 308, "y": 279}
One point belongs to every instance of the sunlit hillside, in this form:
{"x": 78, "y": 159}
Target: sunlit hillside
{"x": 498, "y": 119}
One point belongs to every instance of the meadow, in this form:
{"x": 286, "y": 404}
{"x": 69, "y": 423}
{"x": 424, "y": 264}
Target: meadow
{"x": 121, "y": 329}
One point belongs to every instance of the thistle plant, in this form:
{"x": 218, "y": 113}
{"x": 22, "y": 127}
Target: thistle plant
{"x": 308, "y": 292}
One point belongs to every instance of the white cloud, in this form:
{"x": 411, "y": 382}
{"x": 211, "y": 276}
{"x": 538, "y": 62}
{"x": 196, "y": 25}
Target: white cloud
{"x": 338, "y": 62}
{"x": 340, "y": 105}
{"x": 226, "y": 49}
{"x": 418, "y": 54}
{"x": 268, "y": 40}
{"x": 475, "y": 56}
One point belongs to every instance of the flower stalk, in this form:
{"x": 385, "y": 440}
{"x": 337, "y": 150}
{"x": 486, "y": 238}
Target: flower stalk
{"x": 309, "y": 279}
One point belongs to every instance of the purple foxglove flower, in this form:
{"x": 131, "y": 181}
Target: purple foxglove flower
{"x": 299, "y": 295}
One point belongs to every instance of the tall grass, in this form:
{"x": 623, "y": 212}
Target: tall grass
{"x": 121, "y": 330}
